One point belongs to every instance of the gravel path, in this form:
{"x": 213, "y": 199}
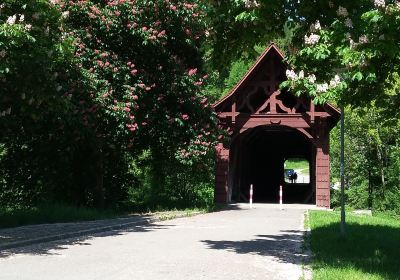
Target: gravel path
{"x": 242, "y": 243}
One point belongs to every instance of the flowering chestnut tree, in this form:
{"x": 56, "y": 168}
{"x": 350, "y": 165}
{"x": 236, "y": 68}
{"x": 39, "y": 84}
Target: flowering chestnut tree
{"x": 342, "y": 51}
{"x": 140, "y": 59}
{"x": 350, "y": 55}
{"x": 99, "y": 82}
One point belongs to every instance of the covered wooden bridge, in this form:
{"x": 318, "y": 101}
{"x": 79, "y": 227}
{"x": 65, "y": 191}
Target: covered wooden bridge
{"x": 267, "y": 126}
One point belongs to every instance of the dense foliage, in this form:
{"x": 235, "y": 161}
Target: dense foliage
{"x": 340, "y": 51}
{"x": 107, "y": 102}
{"x": 372, "y": 148}
{"x": 89, "y": 88}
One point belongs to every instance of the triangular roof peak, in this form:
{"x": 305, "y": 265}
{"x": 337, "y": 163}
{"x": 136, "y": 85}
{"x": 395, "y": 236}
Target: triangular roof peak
{"x": 261, "y": 81}
{"x": 264, "y": 55}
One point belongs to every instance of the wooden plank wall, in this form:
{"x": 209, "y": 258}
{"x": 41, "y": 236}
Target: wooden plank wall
{"x": 221, "y": 174}
{"x": 322, "y": 166}
{"x": 322, "y": 178}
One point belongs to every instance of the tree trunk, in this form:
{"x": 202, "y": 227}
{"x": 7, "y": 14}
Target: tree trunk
{"x": 370, "y": 190}
{"x": 99, "y": 192}
{"x": 382, "y": 170}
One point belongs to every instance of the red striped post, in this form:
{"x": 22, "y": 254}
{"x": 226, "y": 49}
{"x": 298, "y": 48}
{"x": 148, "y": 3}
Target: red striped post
{"x": 251, "y": 196}
{"x": 280, "y": 197}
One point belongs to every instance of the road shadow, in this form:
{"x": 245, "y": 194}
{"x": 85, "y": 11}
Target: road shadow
{"x": 220, "y": 207}
{"x": 51, "y": 247}
{"x": 372, "y": 249}
{"x": 286, "y": 247}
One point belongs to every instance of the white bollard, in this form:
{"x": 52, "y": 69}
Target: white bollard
{"x": 251, "y": 196}
{"x": 280, "y": 197}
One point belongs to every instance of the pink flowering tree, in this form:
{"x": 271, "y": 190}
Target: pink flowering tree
{"x": 113, "y": 80}
{"x": 141, "y": 59}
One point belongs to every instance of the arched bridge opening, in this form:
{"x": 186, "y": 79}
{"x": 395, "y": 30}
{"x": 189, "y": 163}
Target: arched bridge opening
{"x": 257, "y": 157}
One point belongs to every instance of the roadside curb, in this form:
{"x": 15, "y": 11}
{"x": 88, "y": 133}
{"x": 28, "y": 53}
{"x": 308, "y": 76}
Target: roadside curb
{"x": 145, "y": 221}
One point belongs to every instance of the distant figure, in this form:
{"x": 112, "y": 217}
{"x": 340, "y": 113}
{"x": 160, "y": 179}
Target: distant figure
{"x": 295, "y": 177}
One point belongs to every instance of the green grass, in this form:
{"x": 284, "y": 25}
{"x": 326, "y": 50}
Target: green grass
{"x": 51, "y": 214}
{"x": 371, "y": 249}
{"x": 295, "y": 163}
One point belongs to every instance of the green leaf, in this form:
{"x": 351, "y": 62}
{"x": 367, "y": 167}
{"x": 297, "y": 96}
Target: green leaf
{"x": 371, "y": 77}
{"x": 357, "y": 76}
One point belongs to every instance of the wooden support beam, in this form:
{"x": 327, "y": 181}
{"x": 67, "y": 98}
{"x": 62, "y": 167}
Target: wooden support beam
{"x": 312, "y": 109}
{"x": 234, "y": 111}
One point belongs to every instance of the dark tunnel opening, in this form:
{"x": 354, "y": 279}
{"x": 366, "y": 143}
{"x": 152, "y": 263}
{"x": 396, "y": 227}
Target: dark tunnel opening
{"x": 258, "y": 156}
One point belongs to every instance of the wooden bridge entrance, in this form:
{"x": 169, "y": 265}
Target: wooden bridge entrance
{"x": 266, "y": 126}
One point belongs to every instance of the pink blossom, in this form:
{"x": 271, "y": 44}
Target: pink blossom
{"x": 126, "y": 109}
{"x": 172, "y": 7}
{"x": 185, "y": 117}
{"x": 192, "y": 71}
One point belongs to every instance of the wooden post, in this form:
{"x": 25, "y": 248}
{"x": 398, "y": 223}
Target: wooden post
{"x": 221, "y": 176}
{"x": 342, "y": 210}
{"x": 251, "y": 196}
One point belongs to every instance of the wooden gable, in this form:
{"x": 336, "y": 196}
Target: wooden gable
{"x": 258, "y": 92}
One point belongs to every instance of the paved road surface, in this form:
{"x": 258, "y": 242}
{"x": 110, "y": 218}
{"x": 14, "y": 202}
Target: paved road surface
{"x": 258, "y": 243}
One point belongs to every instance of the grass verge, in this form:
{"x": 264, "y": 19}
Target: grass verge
{"x": 48, "y": 214}
{"x": 371, "y": 249}
{"x": 52, "y": 214}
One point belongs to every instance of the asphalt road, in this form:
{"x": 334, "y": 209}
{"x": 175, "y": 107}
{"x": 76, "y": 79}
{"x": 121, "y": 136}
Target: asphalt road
{"x": 259, "y": 243}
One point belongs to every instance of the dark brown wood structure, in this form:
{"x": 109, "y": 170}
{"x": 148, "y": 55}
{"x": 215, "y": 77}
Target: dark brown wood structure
{"x": 266, "y": 126}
